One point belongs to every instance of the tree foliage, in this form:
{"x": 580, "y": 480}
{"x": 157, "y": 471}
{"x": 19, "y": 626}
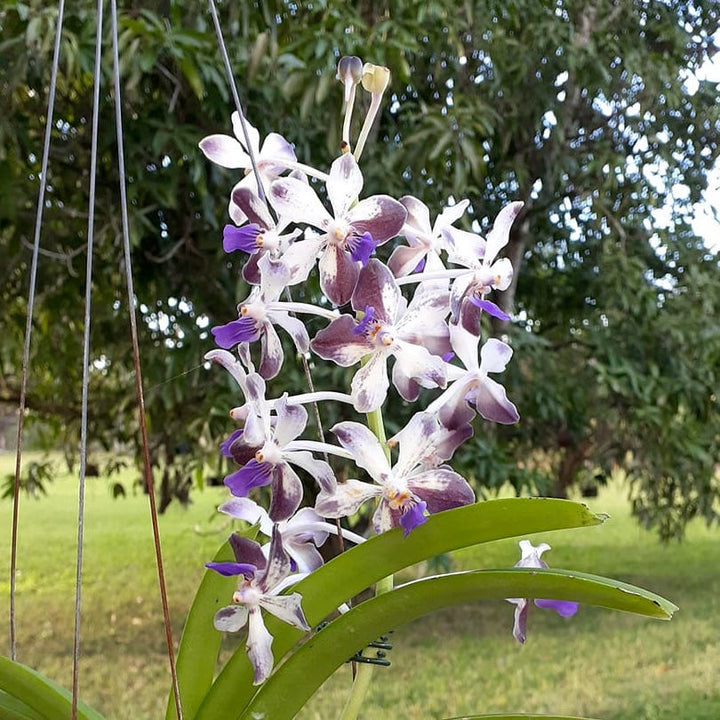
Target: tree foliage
{"x": 589, "y": 112}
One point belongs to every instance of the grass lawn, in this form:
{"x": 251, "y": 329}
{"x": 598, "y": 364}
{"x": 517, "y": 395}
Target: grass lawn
{"x": 600, "y": 664}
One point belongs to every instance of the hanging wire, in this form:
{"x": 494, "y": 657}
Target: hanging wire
{"x": 28, "y": 326}
{"x": 147, "y": 467}
{"x": 86, "y": 355}
{"x": 236, "y": 98}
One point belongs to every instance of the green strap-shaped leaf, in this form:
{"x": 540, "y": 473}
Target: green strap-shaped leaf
{"x": 295, "y": 681}
{"x": 13, "y": 709}
{"x": 200, "y": 642}
{"x": 518, "y": 716}
{"x": 42, "y": 695}
{"x": 354, "y": 571}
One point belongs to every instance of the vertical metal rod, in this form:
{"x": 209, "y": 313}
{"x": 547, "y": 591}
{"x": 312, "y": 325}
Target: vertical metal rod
{"x": 28, "y": 327}
{"x": 236, "y": 98}
{"x": 147, "y": 467}
{"x": 86, "y": 355}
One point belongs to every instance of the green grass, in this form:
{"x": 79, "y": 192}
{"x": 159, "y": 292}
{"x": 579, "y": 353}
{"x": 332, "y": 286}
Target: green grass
{"x": 598, "y": 663}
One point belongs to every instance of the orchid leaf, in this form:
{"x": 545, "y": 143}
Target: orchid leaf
{"x": 40, "y": 694}
{"x": 518, "y": 716}
{"x": 359, "y": 568}
{"x": 200, "y": 642}
{"x": 306, "y": 670}
{"x": 13, "y": 709}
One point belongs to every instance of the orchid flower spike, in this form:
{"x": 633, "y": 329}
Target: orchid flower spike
{"x": 532, "y": 558}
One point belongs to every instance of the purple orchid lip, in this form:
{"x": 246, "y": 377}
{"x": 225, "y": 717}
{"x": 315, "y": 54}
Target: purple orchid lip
{"x": 243, "y": 238}
{"x": 490, "y": 308}
{"x": 253, "y": 474}
{"x": 413, "y": 517}
{"x": 361, "y": 247}
{"x": 228, "y": 569}
{"x": 364, "y": 324}
{"x": 244, "y": 329}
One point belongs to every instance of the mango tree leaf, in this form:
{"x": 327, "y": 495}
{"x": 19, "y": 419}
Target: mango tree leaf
{"x": 295, "y": 681}
{"x": 42, "y": 695}
{"x": 359, "y": 568}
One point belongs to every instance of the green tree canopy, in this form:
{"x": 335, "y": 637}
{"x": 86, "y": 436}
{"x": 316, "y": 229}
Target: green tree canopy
{"x": 588, "y": 112}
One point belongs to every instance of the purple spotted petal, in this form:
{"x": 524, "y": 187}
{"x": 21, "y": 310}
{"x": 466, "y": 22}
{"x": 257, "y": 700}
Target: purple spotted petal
{"x": 379, "y": 215}
{"x": 228, "y": 569}
{"x": 361, "y": 247}
{"x": 251, "y": 206}
{"x": 340, "y": 343}
{"x": 564, "y": 608}
{"x": 287, "y": 492}
{"x": 244, "y": 238}
{"x": 414, "y": 517}
{"x": 252, "y": 475}
{"x": 441, "y": 488}
{"x": 247, "y": 551}
{"x": 490, "y": 308}
{"x": 377, "y": 288}
{"x": 242, "y": 330}
{"x": 492, "y": 402}
{"x": 278, "y": 565}
{"x": 338, "y": 274}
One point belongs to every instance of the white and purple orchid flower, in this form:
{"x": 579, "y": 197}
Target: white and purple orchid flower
{"x": 472, "y": 386}
{"x": 351, "y": 234}
{"x": 416, "y": 335}
{"x": 468, "y": 293}
{"x": 257, "y": 316}
{"x": 532, "y": 558}
{"x": 270, "y": 463}
{"x": 260, "y": 236}
{"x": 273, "y": 158}
{"x": 425, "y": 242}
{"x": 301, "y": 534}
{"x": 406, "y": 491}
{"x": 259, "y": 582}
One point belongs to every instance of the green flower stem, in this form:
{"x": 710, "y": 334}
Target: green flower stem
{"x": 364, "y": 673}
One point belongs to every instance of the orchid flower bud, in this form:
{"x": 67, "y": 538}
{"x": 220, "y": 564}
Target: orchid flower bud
{"x": 375, "y": 78}
{"x": 349, "y": 73}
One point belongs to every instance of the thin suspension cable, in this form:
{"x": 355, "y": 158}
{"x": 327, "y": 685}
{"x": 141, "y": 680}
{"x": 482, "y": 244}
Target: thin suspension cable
{"x": 86, "y": 355}
{"x": 28, "y": 326}
{"x": 147, "y": 467}
{"x": 236, "y": 98}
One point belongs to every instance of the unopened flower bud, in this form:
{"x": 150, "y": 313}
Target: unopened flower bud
{"x": 375, "y": 78}
{"x": 350, "y": 69}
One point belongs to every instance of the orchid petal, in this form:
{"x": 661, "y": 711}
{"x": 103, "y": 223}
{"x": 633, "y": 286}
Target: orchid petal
{"x": 319, "y": 470}
{"x": 231, "y": 618}
{"x": 365, "y": 448}
{"x": 345, "y": 499}
{"x": 370, "y": 384}
{"x": 564, "y": 608}
{"x": 271, "y": 353}
{"x": 499, "y": 236}
{"x": 338, "y": 274}
{"x": 287, "y": 492}
{"x": 224, "y": 151}
{"x": 344, "y": 184}
{"x": 441, "y": 488}
{"x": 259, "y": 647}
{"x": 291, "y": 421}
{"x": 297, "y": 202}
{"x": 380, "y": 215}
{"x": 287, "y": 608}
{"x": 377, "y": 288}
{"x": 494, "y": 356}
{"x": 338, "y": 342}
{"x": 491, "y": 401}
